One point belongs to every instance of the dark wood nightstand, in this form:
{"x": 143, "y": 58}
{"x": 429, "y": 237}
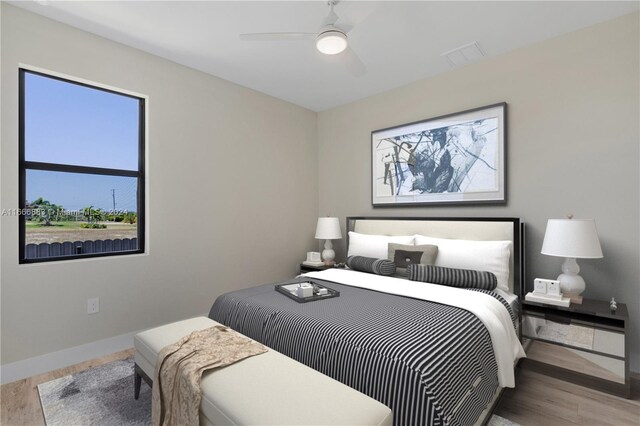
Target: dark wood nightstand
{"x": 306, "y": 268}
{"x": 586, "y": 344}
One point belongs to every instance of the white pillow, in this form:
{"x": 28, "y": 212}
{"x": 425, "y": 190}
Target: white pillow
{"x": 492, "y": 256}
{"x": 375, "y": 246}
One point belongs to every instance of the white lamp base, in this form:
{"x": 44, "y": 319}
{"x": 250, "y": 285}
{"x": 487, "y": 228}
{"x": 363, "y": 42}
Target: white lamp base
{"x": 571, "y": 284}
{"x": 328, "y": 255}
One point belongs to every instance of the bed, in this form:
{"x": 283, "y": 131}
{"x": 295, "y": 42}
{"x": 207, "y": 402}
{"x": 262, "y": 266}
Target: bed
{"x": 434, "y": 354}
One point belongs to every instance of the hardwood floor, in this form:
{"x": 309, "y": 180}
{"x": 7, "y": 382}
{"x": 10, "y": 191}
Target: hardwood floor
{"x": 536, "y": 400}
{"x": 542, "y": 400}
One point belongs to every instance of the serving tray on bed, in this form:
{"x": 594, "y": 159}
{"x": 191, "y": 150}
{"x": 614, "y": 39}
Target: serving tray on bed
{"x": 289, "y": 291}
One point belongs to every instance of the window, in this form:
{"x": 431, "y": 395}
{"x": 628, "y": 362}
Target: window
{"x": 81, "y": 170}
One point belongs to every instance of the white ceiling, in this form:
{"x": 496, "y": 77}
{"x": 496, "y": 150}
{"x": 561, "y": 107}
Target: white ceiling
{"x": 399, "y": 42}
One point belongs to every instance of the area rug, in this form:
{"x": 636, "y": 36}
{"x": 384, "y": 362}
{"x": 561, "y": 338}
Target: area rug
{"x": 103, "y": 396}
{"x": 496, "y": 420}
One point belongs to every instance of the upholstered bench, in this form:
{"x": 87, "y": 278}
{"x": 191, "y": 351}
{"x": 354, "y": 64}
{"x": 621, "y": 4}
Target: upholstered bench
{"x": 265, "y": 389}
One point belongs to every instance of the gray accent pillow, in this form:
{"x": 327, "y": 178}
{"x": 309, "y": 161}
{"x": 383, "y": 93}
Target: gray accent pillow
{"x": 371, "y": 265}
{"x": 404, "y": 255}
{"x": 452, "y": 277}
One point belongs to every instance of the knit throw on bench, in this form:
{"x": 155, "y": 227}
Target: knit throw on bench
{"x": 176, "y": 392}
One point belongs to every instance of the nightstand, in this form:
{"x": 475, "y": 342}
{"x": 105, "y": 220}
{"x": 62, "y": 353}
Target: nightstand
{"x": 306, "y": 268}
{"x": 585, "y": 344}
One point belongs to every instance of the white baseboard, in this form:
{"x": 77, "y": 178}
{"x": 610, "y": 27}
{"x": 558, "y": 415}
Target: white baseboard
{"x": 52, "y": 361}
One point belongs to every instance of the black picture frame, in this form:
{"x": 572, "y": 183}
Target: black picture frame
{"x": 458, "y": 158}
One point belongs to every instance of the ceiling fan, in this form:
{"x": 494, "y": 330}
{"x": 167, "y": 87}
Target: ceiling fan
{"x": 331, "y": 39}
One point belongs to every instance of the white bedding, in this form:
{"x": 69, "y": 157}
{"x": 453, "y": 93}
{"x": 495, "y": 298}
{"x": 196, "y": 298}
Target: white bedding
{"x": 490, "y": 311}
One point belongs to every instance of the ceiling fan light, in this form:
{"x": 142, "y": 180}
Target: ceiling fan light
{"x": 331, "y": 42}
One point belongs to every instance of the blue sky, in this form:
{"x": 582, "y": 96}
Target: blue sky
{"x": 70, "y": 124}
{"x": 75, "y": 190}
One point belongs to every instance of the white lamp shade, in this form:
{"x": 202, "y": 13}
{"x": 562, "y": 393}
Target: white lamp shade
{"x": 331, "y": 42}
{"x": 576, "y": 238}
{"x": 328, "y": 229}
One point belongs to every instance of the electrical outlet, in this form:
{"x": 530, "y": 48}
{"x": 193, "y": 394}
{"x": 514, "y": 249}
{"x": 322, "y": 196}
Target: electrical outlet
{"x": 93, "y": 305}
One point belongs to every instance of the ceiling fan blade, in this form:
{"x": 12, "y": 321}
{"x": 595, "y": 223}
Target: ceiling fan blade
{"x": 277, "y": 36}
{"x": 353, "y": 63}
{"x": 345, "y": 27}
{"x": 331, "y": 19}
{"x": 356, "y": 12}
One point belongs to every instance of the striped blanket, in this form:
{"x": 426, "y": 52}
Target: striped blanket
{"x": 430, "y": 363}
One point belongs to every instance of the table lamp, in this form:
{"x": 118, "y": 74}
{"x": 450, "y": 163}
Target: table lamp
{"x": 572, "y": 239}
{"x": 328, "y": 229}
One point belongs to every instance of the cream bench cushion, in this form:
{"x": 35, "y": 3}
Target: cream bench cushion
{"x": 267, "y": 389}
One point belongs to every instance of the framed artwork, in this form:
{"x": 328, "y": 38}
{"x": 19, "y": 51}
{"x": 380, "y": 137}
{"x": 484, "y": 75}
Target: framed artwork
{"x": 453, "y": 159}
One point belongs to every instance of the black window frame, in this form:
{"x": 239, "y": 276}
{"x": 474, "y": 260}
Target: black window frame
{"x": 24, "y": 165}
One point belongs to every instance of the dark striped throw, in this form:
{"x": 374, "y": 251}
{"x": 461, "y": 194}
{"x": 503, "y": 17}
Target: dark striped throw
{"x": 432, "y": 364}
{"x": 371, "y": 265}
{"x": 463, "y": 278}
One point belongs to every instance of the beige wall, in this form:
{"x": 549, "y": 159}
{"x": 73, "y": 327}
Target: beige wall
{"x": 573, "y": 139}
{"x": 232, "y": 195}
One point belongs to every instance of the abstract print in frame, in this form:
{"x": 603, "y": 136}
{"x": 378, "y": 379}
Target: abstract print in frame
{"x": 456, "y": 158}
